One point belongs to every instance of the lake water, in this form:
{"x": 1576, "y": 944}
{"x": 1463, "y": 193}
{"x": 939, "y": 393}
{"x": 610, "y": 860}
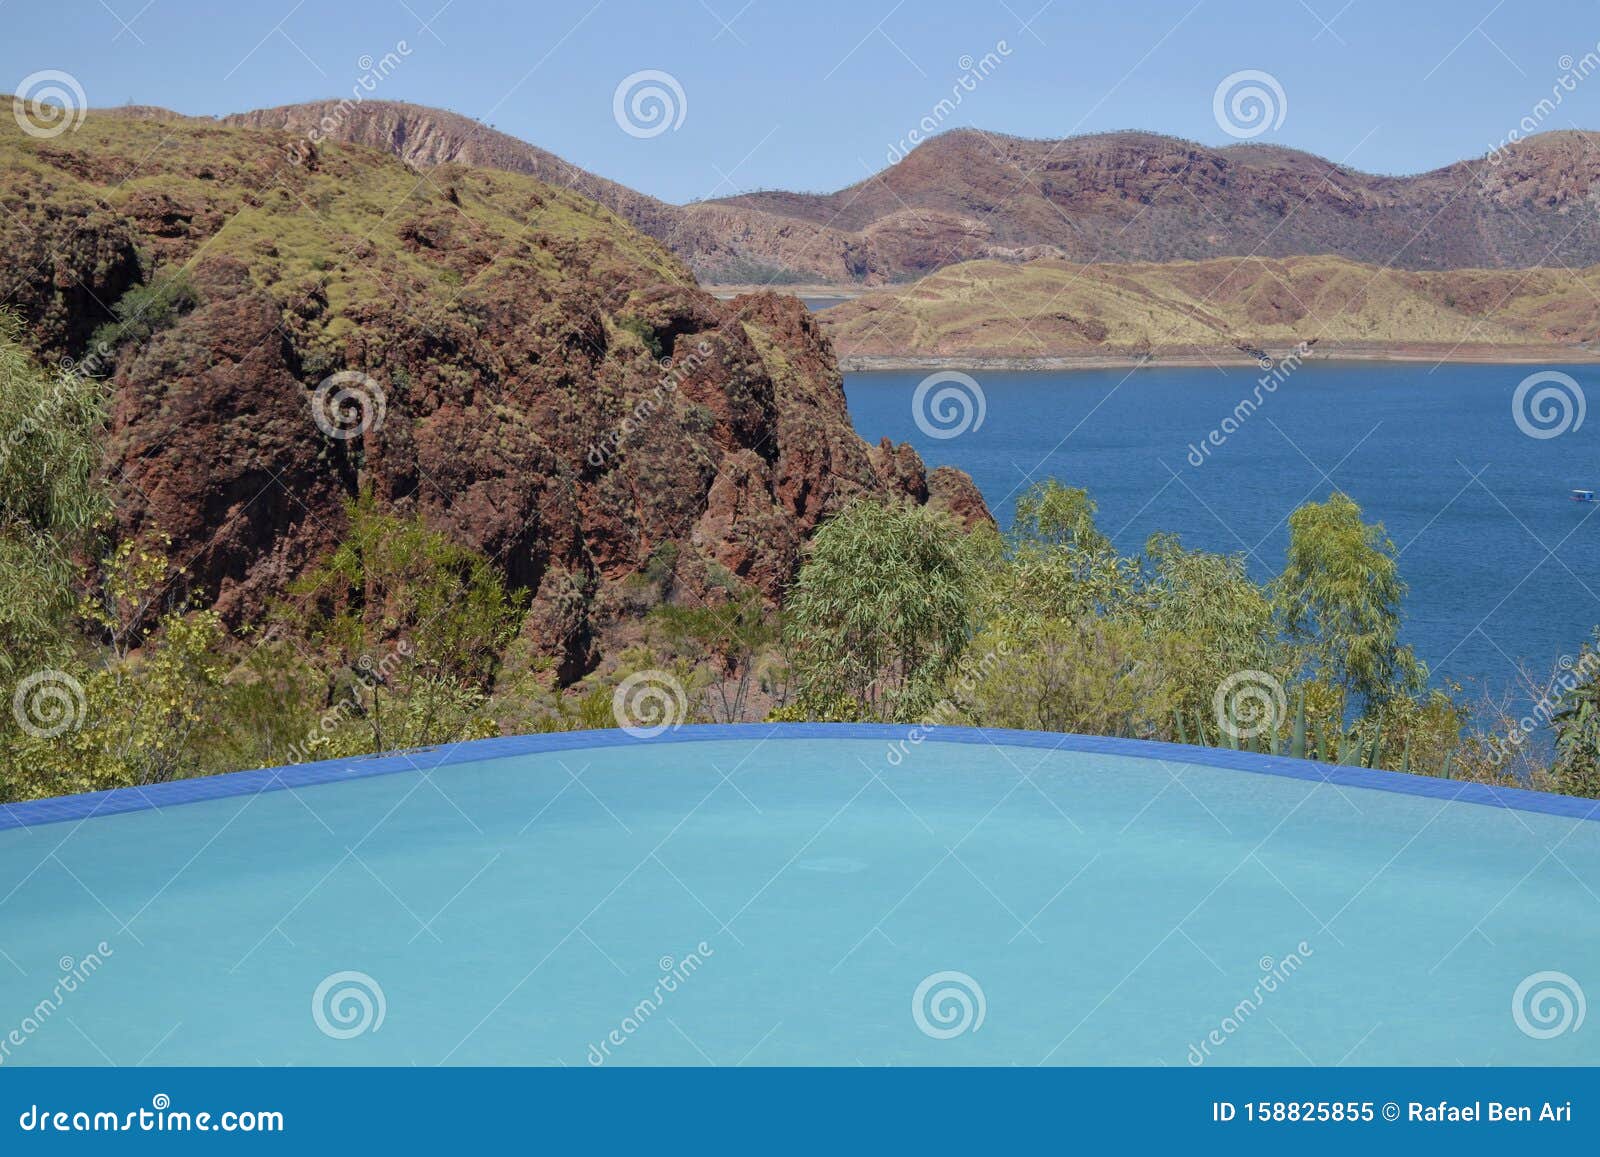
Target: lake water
{"x": 1501, "y": 563}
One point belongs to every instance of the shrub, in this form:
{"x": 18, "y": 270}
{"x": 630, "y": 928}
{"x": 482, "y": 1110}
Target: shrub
{"x": 880, "y": 611}
{"x": 146, "y": 309}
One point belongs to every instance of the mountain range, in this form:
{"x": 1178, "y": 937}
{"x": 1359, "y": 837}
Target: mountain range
{"x": 1106, "y": 198}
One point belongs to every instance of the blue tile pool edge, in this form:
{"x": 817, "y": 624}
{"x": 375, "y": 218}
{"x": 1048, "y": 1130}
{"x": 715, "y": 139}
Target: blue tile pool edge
{"x": 62, "y": 809}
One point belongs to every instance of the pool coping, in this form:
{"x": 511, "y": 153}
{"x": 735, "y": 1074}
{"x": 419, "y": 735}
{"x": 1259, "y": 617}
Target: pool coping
{"x": 118, "y": 801}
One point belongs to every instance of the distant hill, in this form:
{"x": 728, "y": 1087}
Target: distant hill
{"x": 721, "y": 242}
{"x": 1122, "y": 197}
{"x": 1113, "y": 197}
{"x": 1058, "y": 309}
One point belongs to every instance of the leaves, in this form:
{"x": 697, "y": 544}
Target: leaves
{"x": 880, "y": 611}
{"x": 51, "y": 498}
{"x": 1340, "y": 596}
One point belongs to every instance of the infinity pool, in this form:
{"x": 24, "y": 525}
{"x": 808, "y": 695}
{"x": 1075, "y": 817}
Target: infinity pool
{"x": 802, "y": 895}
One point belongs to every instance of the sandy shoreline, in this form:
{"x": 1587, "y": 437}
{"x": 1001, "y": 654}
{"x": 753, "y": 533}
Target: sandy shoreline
{"x": 1193, "y": 357}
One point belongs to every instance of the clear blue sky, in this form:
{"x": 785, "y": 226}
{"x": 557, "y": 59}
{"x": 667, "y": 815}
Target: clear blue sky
{"x": 812, "y": 95}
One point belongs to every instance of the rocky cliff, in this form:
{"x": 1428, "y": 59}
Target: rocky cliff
{"x": 1142, "y": 197}
{"x": 287, "y": 324}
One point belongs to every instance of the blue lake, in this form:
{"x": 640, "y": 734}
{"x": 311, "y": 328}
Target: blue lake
{"x": 1500, "y": 562}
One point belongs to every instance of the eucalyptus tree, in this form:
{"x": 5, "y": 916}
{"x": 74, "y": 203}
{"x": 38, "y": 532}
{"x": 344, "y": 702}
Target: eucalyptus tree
{"x": 1052, "y": 515}
{"x": 1057, "y": 564}
{"x": 879, "y": 613}
{"x": 1217, "y": 619}
{"x": 52, "y": 496}
{"x": 1576, "y": 721}
{"x": 1339, "y": 596}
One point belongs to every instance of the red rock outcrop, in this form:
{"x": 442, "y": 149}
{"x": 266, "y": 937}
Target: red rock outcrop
{"x": 521, "y": 369}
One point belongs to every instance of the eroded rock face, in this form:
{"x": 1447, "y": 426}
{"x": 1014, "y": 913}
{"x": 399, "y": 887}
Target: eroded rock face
{"x": 1132, "y": 196}
{"x": 524, "y": 371}
{"x": 954, "y": 492}
{"x": 901, "y": 470}
{"x": 944, "y": 488}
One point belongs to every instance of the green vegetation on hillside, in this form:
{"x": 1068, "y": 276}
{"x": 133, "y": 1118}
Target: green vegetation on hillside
{"x": 116, "y": 675}
{"x": 333, "y": 234}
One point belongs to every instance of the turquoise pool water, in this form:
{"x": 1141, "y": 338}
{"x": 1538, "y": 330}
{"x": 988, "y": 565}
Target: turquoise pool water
{"x": 804, "y": 901}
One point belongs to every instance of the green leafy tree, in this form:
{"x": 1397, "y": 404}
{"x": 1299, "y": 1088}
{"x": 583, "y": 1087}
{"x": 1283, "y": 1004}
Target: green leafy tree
{"x": 880, "y": 611}
{"x": 1217, "y": 620}
{"x": 1340, "y": 596}
{"x": 1090, "y": 676}
{"x": 1056, "y": 564}
{"x": 51, "y": 499}
{"x": 1052, "y": 515}
{"x": 1576, "y": 720}
{"x": 138, "y": 715}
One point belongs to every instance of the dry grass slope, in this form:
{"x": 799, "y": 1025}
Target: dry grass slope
{"x": 1059, "y": 309}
